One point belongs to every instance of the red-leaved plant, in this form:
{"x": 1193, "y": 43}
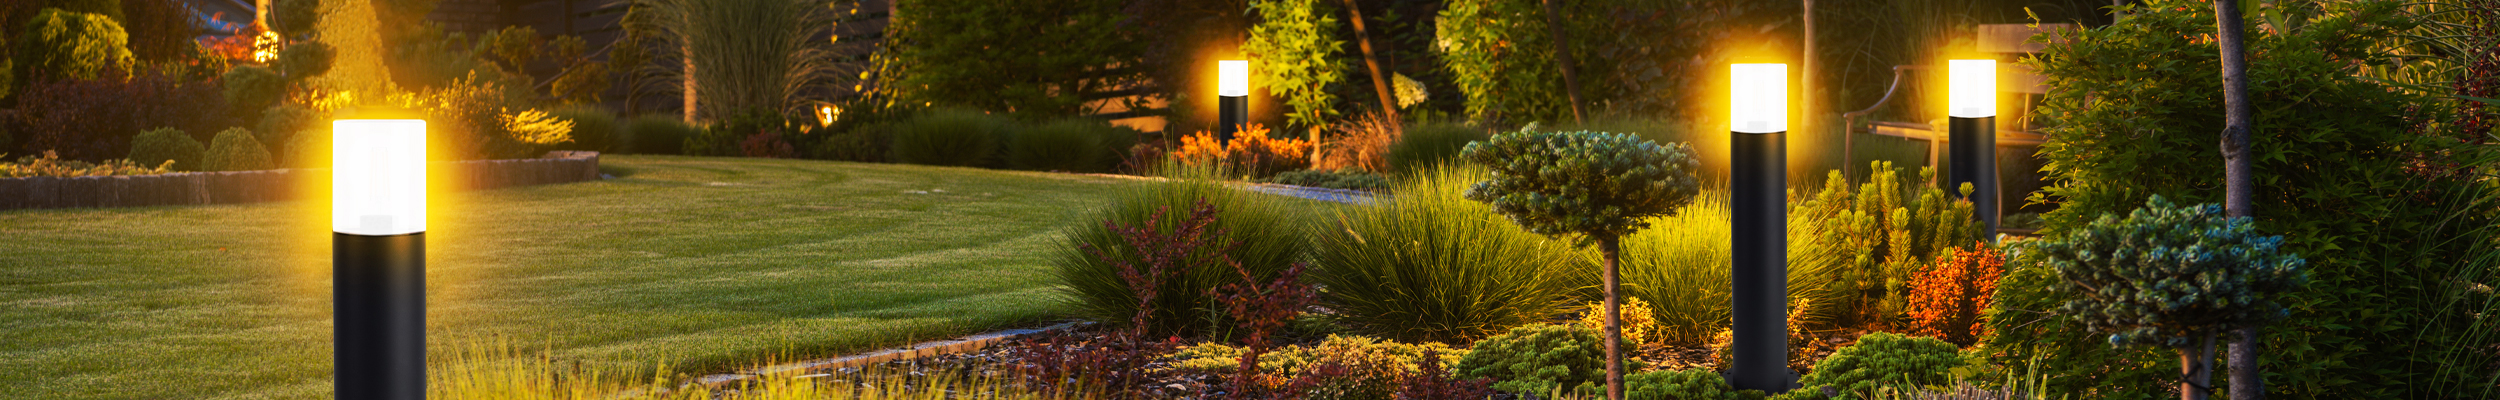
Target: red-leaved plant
{"x": 1946, "y": 298}
{"x": 767, "y": 144}
{"x": 1263, "y": 308}
{"x": 1431, "y": 382}
{"x": 1115, "y": 365}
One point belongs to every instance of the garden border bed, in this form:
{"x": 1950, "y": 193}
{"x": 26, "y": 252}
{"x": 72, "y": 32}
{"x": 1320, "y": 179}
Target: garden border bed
{"x": 199, "y": 188}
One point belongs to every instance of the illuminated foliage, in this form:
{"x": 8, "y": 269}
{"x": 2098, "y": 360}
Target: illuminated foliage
{"x": 1251, "y": 153}
{"x": 1295, "y": 54}
{"x": 59, "y": 44}
{"x": 1947, "y": 297}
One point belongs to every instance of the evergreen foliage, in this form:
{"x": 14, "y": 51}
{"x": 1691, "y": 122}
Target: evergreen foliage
{"x": 1430, "y": 265}
{"x": 1880, "y": 364}
{"x": 1682, "y": 384}
{"x": 156, "y": 147}
{"x": 1540, "y": 359}
{"x": 2170, "y": 275}
{"x": 1591, "y": 184}
{"x": 990, "y": 55}
{"x": 59, "y": 44}
{"x": 236, "y": 150}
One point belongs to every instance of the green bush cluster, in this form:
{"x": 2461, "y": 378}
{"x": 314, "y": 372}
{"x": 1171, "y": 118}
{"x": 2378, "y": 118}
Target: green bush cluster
{"x": 155, "y": 147}
{"x": 1880, "y": 363}
{"x": 279, "y": 127}
{"x": 1372, "y": 367}
{"x": 236, "y": 150}
{"x": 657, "y": 134}
{"x": 952, "y": 137}
{"x": 1348, "y": 178}
{"x": 2337, "y": 158}
{"x": 1072, "y": 145}
{"x": 1874, "y": 237}
{"x": 2170, "y": 275}
{"x": 1682, "y": 384}
{"x": 1427, "y": 145}
{"x": 1429, "y": 264}
{"x": 594, "y": 128}
{"x": 864, "y": 143}
{"x": 60, "y": 44}
{"x": 985, "y": 54}
{"x": 252, "y": 87}
{"x": 1543, "y": 358}
{"x": 1268, "y": 233}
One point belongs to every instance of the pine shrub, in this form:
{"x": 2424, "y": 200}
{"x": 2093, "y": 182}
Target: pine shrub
{"x": 1683, "y": 384}
{"x": 1431, "y": 265}
{"x": 236, "y": 150}
{"x": 1543, "y": 358}
{"x": 1879, "y": 363}
{"x": 156, "y": 147}
{"x": 951, "y": 137}
{"x": 1873, "y": 238}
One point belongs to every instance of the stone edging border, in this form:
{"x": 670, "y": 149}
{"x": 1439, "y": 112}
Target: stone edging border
{"x": 198, "y": 188}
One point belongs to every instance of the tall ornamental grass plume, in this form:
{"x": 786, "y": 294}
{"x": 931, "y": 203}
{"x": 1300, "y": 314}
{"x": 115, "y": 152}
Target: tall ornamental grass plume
{"x": 1681, "y": 270}
{"x": 1261, "y": 232}
{"x": 1597, "y": 186}
{"x": 2172, "y": 276}
{"x": 1430, "y": 265}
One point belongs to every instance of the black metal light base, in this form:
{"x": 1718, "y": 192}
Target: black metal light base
{"x": 1231, "y": 112}
{"x": 1758, "y": 204}
{"x": 377, "y": 293}
{"x": 1974, "y": 147}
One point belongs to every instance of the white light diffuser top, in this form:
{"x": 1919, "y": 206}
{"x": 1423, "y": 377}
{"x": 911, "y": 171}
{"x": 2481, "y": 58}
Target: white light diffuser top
{"x": 1235, "y": 76}
{"x": 377, "y": 177}
{"x": 1974, "y": 92}
{"x": 1758, "y": 98}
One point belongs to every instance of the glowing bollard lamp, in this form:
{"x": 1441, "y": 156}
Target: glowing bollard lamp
{"x": 1758, "y": 203}
{"x": 1973, "y": 108}
{"x": 1232, "y": 98}
{"x": 377, "y": 258}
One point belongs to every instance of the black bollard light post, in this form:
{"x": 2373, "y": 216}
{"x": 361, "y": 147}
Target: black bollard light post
{"x": 377, "y": 257}
{"x": 1758, "y": 202}
{"x": 1973, "y": 108}
{"x": 1232, "y": 99}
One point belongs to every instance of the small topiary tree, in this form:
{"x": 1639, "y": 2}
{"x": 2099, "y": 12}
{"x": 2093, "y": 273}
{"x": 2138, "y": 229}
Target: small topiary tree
{"x": 252, "y": 88}
{"x": 1536, "y": 360}
{"x": 1598, "y": 186}
{"x": 156, "y": 147}
{"x": 305, "y": 60}
{"x": 59, "y": 44}
{"x": 2172, "y": 276}
{"x": 236, "y": 150}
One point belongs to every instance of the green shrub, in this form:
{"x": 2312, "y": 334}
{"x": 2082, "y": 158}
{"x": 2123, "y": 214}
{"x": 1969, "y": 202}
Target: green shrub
{"x": 252, "y": 88}
{"x": 1269, "y": 234}
{"x": 726, "y": 137}
{"x": 1428, "y": 264}
{"x": 1877, "y": 362}
{"x": 1538, "y": 359}
{"x": 279, "y": 126}
{"x": 1072, "y": 145}
{"x": 1369, "y": 367}
{"x": 866, "y": 143}
{"x": 1684, "y": 384}
{"x": 657, "y": 134}
{"x": 951, "y": 137}
{"x": 2338, "y": 159}
{"x": 236, "y": 150}
{"x": 60, "y": 44}
{"x": 294, "y": 17}
{"x": 594, "y": 129}
{"x": 157, "y": 146}
{"x": 1871, "y": 239}
{"x": 960, "y": 56}
{"x": 1300, "y": 53}
{"x": 1348, "y": 178}
{"x": 1709, "y": 145}
{"x": 1432, "y": 144}
{"x": 8, "y": 81}
{"x": 1680, "y": 267}
{"x": 306, "y": 59}
{"x": 309, "y": 148}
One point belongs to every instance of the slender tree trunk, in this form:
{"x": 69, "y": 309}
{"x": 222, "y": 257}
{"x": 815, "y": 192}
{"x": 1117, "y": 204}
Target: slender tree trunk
{"x": 1806, "y": 95}
{"x": 1612, "y": 248}
{"x": 2247, "y": 381}
{"x": 1562, "y": 54}
{"x": 1380, "y": 81}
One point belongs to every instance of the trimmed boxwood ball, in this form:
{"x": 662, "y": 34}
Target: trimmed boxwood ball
{"x": 1430, "y": 265}
{"x": 1877, "y": 361}
{"x": 1539, "y": 359}
{"x": 1683, "y": 384}
{"x": 58, "y": 44}
{"x": 280, "y": 125}
{"x": 236, "y": 150}
{"x": 1072, "y": 145}
{"x": 156, "y": 146}
{"x": 1432, "y": 144}
{"x": 1270, "y": 236}
{"x": 950, "y": 137}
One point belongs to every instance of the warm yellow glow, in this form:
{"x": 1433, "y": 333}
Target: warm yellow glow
{"x": 265, "y": 47}
{"x": 1758, "y": 98}
{"x": 1236, "y": 77}
{"x": 377, "y": 176}
{"x": 1974, "y": 92}
{"x": 826, "y": 114}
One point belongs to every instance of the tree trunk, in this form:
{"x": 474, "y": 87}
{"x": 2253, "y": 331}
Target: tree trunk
{"x": 1380, "y": 81}
{"x": 1612, "y": 248}
{"x": 1805, "y": 84}
{"x": 2195, "y": 370}
{"x": 1562, "y": 54}
{"x": 2247, "y": 383}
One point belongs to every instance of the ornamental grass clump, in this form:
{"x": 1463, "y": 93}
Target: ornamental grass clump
{"x": 1430, "y": 265}
{"x": 1683, "y": 272}
{"x": 1260, "y": 232}
{"x": 2172, "y": 276}
{"x": 1593, "y": 185}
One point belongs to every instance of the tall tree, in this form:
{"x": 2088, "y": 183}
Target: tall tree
{"x": 1562, "y": 54}
{"x": 2246, "y": 382}
{"x": 1380, "y": 82}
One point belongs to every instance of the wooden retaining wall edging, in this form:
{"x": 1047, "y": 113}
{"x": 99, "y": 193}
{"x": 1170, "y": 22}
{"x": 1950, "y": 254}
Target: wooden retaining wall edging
{"x": 197, "y": 188}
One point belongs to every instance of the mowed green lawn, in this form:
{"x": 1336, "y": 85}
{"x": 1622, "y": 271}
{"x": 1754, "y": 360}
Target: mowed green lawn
{"x": 703, "y": 263}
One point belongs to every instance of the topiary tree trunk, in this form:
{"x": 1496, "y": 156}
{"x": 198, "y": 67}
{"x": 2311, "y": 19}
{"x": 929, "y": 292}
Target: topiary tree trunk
{"x": 2246, "y": 383}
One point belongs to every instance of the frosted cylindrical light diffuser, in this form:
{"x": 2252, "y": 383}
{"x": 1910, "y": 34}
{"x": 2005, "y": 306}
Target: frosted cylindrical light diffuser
{"x": 377, "y": 177}
{"x": 1235, "y": 77}
{"x": 1758, "y": 98}
{"x": 1974, "y": 92}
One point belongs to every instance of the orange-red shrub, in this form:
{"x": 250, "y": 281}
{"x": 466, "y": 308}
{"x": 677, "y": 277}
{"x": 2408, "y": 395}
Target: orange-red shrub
{"x": 1251, "y": 153}
{"x": 1947, "y": 297}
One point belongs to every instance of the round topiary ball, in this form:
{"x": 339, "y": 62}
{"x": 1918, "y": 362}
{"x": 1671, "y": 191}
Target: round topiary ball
{"x": 58, "y": 44}
{"x": 156, "y": 146}
{"x": 236, "y": 150}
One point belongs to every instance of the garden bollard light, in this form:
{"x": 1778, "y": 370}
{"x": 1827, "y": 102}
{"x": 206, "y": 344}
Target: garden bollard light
{"x": 1232, "y": 99}
{"x": 1973, "y": 108}
{"x": 1757, "y": 203}
{"x": 377, "y": 258}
